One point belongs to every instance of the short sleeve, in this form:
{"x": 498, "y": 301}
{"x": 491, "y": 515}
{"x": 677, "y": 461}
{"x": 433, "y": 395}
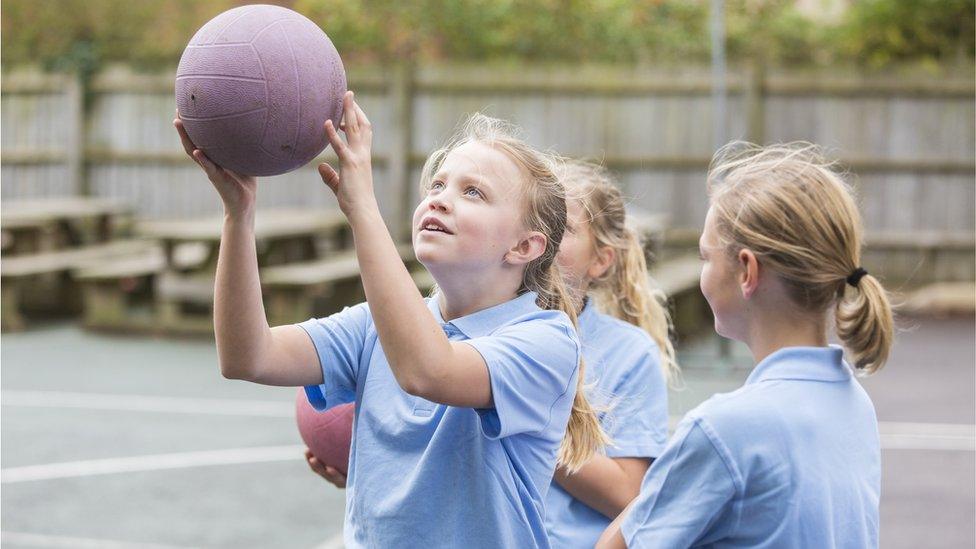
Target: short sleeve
{"x": 339, "y": 341}
{"x": 638, "y": 419}
{"x": 687, "y": 497}
{"x": 533, "y": 366}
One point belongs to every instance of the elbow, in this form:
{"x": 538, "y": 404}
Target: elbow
{"x": 415, "y": 387}
{"x": 230, "y": 374}
{"x": 419, "y": 385}
{"x": 410, "y": 388}
{"x": 236, "y": 370}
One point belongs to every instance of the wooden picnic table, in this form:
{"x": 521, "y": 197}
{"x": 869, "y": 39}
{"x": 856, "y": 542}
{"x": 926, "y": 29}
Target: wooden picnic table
{"x": 282, "y": 236}
{"x": 651, "y": 228}
{"x": 47, "y": 224}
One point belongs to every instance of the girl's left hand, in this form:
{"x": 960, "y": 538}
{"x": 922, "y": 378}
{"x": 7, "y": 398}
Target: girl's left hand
{"x": 330, "y": 474}
{"x": 353, "y": 183}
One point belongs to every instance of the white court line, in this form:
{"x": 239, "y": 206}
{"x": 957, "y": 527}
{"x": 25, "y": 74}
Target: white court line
{"x": 897, "y": 435}
{"x": 908, "y": 442}
{"x": 157, "y": 462}
{"x": 66, "y": 542}
{"x": 146, "y": 403}
{"x": 894, "y": 435}
{"x": 927, "y": 436}
{"x": 269, "y": 408}
{"x": 962, "y": 441}
{"x": 934, "y": 429}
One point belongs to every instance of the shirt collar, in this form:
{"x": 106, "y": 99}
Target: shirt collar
{"x": 806, "y": 363}
{"x": 588, "y": 312}
{"x": 486, "y": 321}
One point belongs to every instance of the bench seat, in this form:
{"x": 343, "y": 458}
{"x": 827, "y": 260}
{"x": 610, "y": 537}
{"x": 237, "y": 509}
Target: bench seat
{"x": 18, "y": 272}
{"x": 298, "y": 291}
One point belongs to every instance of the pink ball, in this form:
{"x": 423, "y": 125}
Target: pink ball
{"x": 255, "y": 86}
{"x": 327, "y": 434}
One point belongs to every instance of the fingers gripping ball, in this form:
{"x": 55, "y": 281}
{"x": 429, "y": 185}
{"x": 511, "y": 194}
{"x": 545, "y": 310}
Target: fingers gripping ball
{"x": 327, "y": 434}
{"x": 254, "y": 87}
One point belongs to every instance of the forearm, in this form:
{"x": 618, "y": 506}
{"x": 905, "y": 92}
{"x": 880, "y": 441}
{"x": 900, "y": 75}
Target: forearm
{"x": 415, "y": 345}
{"x": 423, "y": 361}
{"x": 604, "y": 483}
{"x": 612, "y": 537}
{"x": 240, "y": 325}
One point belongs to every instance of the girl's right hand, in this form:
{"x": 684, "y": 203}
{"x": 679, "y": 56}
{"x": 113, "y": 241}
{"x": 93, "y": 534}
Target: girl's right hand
{"x": 238, "y": 192}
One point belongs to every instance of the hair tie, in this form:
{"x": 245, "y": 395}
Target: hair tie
{"x": 856, "y": 276}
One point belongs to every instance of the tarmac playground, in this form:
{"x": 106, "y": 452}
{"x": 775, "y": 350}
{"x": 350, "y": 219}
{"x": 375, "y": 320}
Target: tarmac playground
{"x": 121, "y": 442}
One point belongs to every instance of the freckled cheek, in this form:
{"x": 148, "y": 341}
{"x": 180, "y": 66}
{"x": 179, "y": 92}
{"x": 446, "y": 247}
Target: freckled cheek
{"x": 418, "y": 214}
{"x": 492, "y": 242}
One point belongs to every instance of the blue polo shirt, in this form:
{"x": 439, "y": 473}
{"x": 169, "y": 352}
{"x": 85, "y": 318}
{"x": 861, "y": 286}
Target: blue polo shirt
{"x": 623, "y": 372}
{"x": 791, "y": 459}
{"x": 423, "y": 474}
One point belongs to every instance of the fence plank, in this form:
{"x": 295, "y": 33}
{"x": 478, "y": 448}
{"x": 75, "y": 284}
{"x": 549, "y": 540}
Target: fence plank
{"x": 911, "y": 140}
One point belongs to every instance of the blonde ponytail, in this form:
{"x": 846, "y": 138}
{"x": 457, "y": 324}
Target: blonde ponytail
{"x": 584, "y": 434}
{"x": 625, "y": 290}
{"x": 863, "y": 321}
{"x": 630, "y": 297}
{"x": 787, "y": 205}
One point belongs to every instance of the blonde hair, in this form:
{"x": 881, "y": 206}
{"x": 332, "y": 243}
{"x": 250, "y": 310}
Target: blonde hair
{"x": 544, "y": 198}
{"x": 625, "y": 290}
{"x": 789, "y": 206}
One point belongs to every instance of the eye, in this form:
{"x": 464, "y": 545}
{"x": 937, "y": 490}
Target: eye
{"x": 473, "y": 191}
{"x": 435, "y": 186}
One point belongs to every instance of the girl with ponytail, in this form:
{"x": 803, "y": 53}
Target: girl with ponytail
{"x": 791, "y": 459}
{"x": 464, "y": 402}
{"x": 623, "y": 328}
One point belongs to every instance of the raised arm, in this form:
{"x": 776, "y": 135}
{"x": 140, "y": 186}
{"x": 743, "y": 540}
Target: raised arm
{"x": 247, "y": 348}
{"x": 424, "y": 362}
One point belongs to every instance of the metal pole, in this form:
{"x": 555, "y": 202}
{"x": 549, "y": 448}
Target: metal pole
{"x": 719, "y": 111}
{"x": 718, "y": 73}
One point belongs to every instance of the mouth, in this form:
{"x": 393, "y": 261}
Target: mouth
{"x": 433, "y": 225}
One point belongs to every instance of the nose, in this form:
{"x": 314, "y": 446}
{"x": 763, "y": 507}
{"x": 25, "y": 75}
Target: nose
{"x": 438, "y": 203}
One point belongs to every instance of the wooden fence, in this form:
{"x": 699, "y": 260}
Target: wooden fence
{"x": 909, "y": 142}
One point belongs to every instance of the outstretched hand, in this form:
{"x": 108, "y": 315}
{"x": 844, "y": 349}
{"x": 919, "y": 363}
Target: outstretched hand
{"x": 330, "y": 474}
{"x": 353, "y": 183}
{"x": 238, "y": 192}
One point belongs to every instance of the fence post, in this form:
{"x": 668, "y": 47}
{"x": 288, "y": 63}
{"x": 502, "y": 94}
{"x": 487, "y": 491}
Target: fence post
{"x": 755, "y": 89}
{"x": 75, "y": 157}
{"x": 401, "y": 92}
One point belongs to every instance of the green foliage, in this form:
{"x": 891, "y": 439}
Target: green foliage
{"x": 878, "y": 33}
{"x": 553, "y": 30}
{"x": 772, "y": 31}
{"x": 81, "y": 35}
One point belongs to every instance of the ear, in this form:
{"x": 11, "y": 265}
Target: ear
{"x": 748, "y": 276}
{"x": 604, "y": 258}
{"x": 530, "y": 247}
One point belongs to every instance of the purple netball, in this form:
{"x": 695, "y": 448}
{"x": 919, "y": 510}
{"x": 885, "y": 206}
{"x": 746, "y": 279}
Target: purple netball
{"x": 255, "y": 86}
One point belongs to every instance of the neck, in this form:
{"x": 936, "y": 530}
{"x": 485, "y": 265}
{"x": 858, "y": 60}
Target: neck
{"x": 771, "y": 332}
{"x": 456, "y": 298}
{"x": 579, "y": 293}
